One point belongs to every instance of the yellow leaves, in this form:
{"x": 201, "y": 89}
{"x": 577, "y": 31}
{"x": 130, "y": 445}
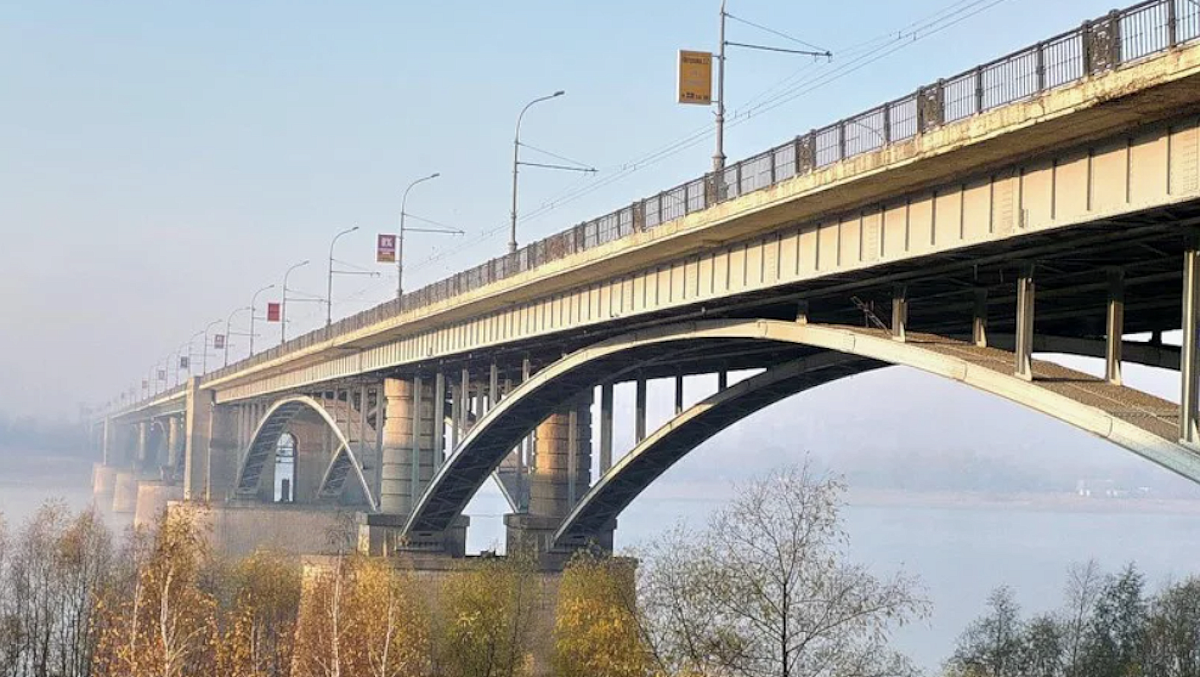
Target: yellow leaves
{"x": 597, "y": 631}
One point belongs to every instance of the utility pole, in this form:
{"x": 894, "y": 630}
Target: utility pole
{"x": 719, "y": 155}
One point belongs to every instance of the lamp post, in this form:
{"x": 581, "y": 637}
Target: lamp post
{"x": 253, "y": 310}
{"x": 512, "y": 232}
{"x": 400, "y": 237}
{"x": 283, "y": 303}
{"x": 329, "y": 284}
{"x": 229, "y": 320}
{"x": 204, "y": 357}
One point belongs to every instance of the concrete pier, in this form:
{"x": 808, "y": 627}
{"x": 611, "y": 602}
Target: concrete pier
{"x": 152, "y": 498}
{"x": 104, "y": 484}
{"x": 125, "y": 493}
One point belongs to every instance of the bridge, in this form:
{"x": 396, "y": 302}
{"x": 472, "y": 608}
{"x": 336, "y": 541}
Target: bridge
{"x": 1047, "y": 201}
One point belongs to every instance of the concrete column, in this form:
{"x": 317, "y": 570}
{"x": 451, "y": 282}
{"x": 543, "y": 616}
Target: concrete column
{"x": 639, "y": 413}
{"x": 563, "y": 445}
{"x": 197, "y": 428}
{"x": 899, "y": 312}
{"x": 109, "y": 442}
{"x": 143, "y": 443}
{"x": 222, "y": 453}
{"x": 1114, "y": 326}
{"x": 980, "y": 318}
{"x": 1189, "y": 357}
{"x": 606, "y": 427}
{"x": 104, "y": 483}
{"x": 174, "y": 443}
{"x": 402, "y": 450}
{"x": 1024, "y": 337}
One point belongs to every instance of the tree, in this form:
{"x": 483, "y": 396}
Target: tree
{"x": 391, "y": 621}
{"x": 992, "y": 646}
{"x": 325, "y": 625}
{"x": 1116, "y": 637}
{"x": 1173, "y": 631}
{"x": 259, "y": 637}
{"x": 1083, "y": 589}
{"x": 597, "y": 631}
{"x": 162, "y": 623}
{"x": 767, "y": 589}
{"x": 485, "y": 613}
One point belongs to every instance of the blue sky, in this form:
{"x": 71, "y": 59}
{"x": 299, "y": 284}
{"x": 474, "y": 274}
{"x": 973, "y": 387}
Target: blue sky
{"x": 161, "y": 161}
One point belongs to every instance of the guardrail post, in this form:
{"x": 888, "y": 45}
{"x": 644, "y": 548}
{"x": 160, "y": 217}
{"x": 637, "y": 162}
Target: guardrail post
{"x": 1114, "y": 39}
{"x": 979, "y": 90}
{"x": 1172, "y": 24}
{"x": 841, "y": 130}
{"x": 1040, "y": 58}
{"x": 887, "y": 123}
{"x": 638, "y": 210}
{"x": 1085, "y": 47}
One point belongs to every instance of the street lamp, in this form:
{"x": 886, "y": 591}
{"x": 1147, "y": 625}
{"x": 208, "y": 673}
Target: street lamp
{"x": 283, "y": 303}
{"x": 400, "y": 238}
{"x": 204, "y": 357}
{"x": 228, "y": 320}
{"x": 253, "y": 310}
{"x": 512, "y": 232}
{"x": 329, "y": 287}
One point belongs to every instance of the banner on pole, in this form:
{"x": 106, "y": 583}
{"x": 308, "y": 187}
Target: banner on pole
{"x": 695, "y": 77}
{"x": 162, "y": 374}
{"x": 272, "y": 312}
{"x": 218, "y": 341}
{"x": 385, "y": 248}
{"x": 183, "y": 361}
{"x": 145, "y": 384}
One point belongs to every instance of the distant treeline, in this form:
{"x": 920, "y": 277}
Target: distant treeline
{"x": 25, "y": 434}
{"x": 1110, "y": 625}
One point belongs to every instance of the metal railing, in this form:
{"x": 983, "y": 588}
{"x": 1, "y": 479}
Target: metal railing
{"x": 1096, "y": 47}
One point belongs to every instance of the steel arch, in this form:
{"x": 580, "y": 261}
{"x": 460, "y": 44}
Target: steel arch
{"x": 1142, "y": 427}
{"x": 266, "y": 436}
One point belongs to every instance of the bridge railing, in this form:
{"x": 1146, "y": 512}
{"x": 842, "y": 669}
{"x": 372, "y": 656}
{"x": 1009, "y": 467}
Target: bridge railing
{"x": 1095, "y": 47}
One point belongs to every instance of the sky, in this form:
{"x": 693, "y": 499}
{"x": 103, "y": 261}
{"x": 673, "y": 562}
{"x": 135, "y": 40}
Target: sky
{"x": 159, "y": 162}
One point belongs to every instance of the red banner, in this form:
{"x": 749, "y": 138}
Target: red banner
{"x": 183, "y": 362}
{"x": 218, "y": 341}
{"x": 385, "y": 248}
{"x": 272, "y": 312}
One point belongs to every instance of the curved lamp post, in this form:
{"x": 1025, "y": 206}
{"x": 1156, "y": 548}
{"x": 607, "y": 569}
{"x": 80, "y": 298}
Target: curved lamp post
{"x": 512, "y": 232}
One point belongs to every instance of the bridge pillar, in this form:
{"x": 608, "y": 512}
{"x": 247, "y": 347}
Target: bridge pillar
{"x": 143, "y": 443}
{"x": 561, "y": 476}
{"x": 899, "y": 312}
{"x": 210, "y": 448}
{"x": 408, "y": 444}
{"x": 979, "y": 318}
{"x": 1024, "y": 337}
{"x": 1189, "y": 413}
{"x": 1114, "y": 326}
{"x": 174, "y": 445}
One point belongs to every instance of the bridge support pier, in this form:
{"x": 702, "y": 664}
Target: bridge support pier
{"x": 1189, "y": 416}
{"x": 1024, "y": 336}
{"x": 143, "y": 444}
{"x": 174, "y": 447}
{"x": 899, "y": 312}
{"x": 979, "y": 320}
{"x": 1114, "y": 326}
{"x": 210, "y": 445}
{"x": 561, "y": 475}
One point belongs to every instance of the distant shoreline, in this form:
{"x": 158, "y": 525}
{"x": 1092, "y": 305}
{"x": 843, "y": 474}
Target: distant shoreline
{"x": 1018, "y": 501}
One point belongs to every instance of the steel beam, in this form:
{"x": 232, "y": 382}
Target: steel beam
{"x": 493, "y": 385}
{"x": 1189, "y": 425}
{"x": 722, "y": 379}
{"x": 1114, "y": 327}
{"x": 1024, "y": 336}
{"x": 678, "y": 394}
{"x": 572, "y": 454}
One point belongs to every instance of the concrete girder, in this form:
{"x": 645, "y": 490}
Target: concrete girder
{"x": 266, "y": 437}
{"x": 1138, "y": 422}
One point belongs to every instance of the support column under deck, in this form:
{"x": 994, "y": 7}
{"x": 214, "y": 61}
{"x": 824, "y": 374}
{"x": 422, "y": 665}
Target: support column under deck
{"x": 1024, "y": 334}
{"x": 899, "y": 312}
{"x": 1114, "y": 326}
{"x": 979, "y": 319}
{"x": 1189, "y": 417}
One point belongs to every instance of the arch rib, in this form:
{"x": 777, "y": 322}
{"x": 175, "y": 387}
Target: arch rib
{"x": 266, "y": 436}
{"x": 1138, "y": 422}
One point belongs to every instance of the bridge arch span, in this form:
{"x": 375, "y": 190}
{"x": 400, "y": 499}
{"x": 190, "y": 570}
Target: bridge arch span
{"x": 342, "y": 465}
{"x": 1143, "y": 424}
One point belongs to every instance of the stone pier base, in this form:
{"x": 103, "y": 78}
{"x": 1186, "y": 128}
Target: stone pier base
{"x": 104, "y": 484}
{"x": 125, "y": 493}
{"x": 152, "y": 498}
{"x": 380, "y": 535}
{"x": 238, "y": 529}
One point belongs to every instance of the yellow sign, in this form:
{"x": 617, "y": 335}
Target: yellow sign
{"x": 695, "y": 77}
